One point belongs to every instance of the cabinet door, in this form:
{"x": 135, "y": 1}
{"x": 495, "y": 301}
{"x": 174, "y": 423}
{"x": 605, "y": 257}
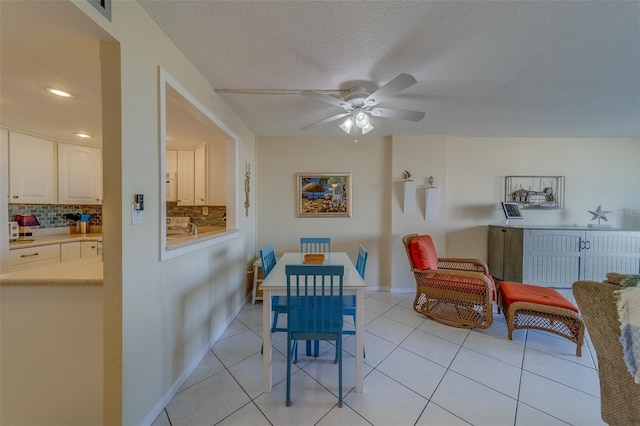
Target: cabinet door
{"x": 171, "y": 174}
{"x": 199, "y": 176}
{"x": 79, "y": 174}
{"x": 69, "y": 251}
{"x": 553, "y": 258}
{"x": 611, "y": 251}
{"x": 185, "y": 178}
{"x": 31, "y": 170}
{"x": 505, "y": 253}
{"x": 88, "y": 249}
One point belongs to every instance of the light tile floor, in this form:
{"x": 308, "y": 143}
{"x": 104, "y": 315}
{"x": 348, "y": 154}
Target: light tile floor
{"x": 417, "y": 372}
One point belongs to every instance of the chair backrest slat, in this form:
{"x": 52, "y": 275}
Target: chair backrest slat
{"x": 315, "y": 245}
{"x": 361, "y": 261}
{"x": 268, "y": 257}
{"x": 314, "y": 301}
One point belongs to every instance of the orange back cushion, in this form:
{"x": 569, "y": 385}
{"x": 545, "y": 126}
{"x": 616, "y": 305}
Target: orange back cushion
{"x": 423, "y": 252}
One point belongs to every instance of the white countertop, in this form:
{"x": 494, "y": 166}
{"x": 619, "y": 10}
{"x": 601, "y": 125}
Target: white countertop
{"x": 88, "y": 271}
{"x": 53, "y": 239}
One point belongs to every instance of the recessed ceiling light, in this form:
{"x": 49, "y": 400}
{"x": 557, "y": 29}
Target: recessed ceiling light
{"x": 59, "y": 92}
{"x": 82, "y": 135}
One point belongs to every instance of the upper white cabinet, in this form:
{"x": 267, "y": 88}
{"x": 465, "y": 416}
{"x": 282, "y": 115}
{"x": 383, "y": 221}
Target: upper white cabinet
{"x": 199, "y": 176}
{"x": 171, "y": 174}
{"x": 185, "y": 172}
{"x": 79, "y": 174}
{"x": 185, "y": 178}
{"x": 31, "y": 170}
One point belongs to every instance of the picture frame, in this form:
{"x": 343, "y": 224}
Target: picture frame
{"x": 323, "y": 194}
{"x": 535, "y": 192}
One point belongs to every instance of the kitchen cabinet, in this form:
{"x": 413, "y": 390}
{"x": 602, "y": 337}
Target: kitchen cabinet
{"x": 31, "y": 170}
{"x": 185, "y": 178}
{"x": 89, "y": 249}
{"x": 25, "y": 258}
{"x": 69, "y": 251}
{"x": 559, "y": 256}
{"x": 185, "y": 173}
{"x": 79, "y": 174}
{"x": 199, "y": 175}
{"x": 171, "y": 174}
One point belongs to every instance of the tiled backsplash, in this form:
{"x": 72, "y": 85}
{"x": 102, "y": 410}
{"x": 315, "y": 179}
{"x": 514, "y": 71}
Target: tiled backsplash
{"x": 214, "y": 218}
{"x": 50, "y": 215}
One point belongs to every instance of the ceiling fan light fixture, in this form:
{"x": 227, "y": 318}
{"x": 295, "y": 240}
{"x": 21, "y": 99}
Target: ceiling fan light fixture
{"x": 366, "y": 129}
{"x": 362, "y": 119}
{"x": 347, "y": 125}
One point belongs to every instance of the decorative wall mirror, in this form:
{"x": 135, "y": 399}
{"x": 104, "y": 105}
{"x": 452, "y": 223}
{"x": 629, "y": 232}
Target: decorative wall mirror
{"x": 197, "y": 173}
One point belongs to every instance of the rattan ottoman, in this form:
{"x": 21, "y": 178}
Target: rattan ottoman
{"x": 540, "y": 308}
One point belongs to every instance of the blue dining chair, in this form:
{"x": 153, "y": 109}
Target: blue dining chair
{"x": 315, "y": 245}
{"x": 314, "y": 310}
{"x": 278, "y": 303}
{"x": 349, "y": 301}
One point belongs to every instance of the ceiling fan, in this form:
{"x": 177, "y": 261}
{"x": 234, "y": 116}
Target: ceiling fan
{"x": 358, "y": 106}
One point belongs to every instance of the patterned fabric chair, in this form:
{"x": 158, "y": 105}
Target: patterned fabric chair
{"x": 453, "y": 291}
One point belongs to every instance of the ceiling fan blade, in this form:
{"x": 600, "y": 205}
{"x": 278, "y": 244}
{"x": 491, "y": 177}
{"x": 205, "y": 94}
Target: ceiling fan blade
{"x": 399, "y": 83}
{"x": 402, "y": 114}
{"x": 326, "y": 120}
{"x": 327, "y": 98}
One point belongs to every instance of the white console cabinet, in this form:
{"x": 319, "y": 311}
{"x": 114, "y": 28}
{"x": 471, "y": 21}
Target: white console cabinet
{"x": 559, "y": 256}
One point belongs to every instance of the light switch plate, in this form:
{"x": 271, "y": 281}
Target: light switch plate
{"x": 136, "y": 216}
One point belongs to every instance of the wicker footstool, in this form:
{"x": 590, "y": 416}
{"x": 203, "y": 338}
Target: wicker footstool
{"x": 540, "y": 308}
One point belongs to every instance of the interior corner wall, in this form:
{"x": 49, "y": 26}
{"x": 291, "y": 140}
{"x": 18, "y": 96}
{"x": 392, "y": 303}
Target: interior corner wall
{"x": 423, "y": 157}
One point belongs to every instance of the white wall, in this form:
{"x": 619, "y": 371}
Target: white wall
{"x": 279, "y": 159}
{"x": 469, "y": 173}
{"x": 170, "y": 311}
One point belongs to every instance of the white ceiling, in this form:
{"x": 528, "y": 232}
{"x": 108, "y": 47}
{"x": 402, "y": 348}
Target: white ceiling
{"x": 484, "y": 68}
{"x": 53, "y": 44}
{"x": 515, "y": 68}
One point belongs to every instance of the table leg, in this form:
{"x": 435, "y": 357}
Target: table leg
{"x": 359, "y": 340}
{"x": 266, "y": 339}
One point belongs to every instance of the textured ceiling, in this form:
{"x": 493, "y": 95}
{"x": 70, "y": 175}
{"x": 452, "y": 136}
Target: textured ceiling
{"x": 499, "y": 68}
{"x": 517, "y": 68}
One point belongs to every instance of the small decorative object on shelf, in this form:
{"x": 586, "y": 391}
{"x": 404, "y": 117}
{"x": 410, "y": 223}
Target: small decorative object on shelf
{"x": 599, "y": 214}
{"x": 535, "y": 192}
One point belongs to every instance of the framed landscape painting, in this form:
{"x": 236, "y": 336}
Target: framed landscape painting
{"x": 324, "y": 194}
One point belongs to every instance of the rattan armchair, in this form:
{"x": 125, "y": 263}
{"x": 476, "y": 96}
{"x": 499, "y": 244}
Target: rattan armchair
{"x": 458, "y": 292}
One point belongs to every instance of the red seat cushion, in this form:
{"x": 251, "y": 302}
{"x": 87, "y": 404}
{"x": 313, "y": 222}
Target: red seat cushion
{"x": 518, "y": 292}
{"x": 423, "y": 252}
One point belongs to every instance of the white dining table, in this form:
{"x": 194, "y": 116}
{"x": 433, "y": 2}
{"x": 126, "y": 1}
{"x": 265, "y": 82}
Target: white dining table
{"x": 275, "y": 284}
